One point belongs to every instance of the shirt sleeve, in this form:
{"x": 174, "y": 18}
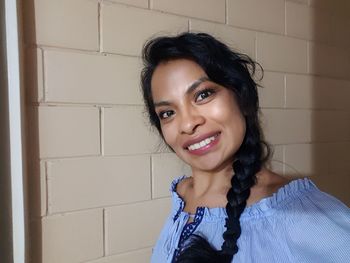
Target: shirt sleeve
{"x": 319, "y": 229}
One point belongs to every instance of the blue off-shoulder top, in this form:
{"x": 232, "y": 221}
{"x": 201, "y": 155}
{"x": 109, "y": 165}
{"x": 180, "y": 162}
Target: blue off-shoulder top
{"x": 298, "y": 223}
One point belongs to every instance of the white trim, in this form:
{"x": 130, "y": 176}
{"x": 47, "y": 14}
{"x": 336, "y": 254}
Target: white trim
{"x": 14, "y": 99}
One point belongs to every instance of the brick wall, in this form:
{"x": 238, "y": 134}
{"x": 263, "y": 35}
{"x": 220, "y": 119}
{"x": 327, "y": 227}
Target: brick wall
{"x": 98, "y": 178}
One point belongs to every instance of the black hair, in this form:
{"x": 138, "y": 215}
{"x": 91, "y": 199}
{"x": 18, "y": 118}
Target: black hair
{"x": 235, "y": 72}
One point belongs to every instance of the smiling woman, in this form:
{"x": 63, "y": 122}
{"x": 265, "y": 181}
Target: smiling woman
{"x": 202, "y": 98}
{"x": 200, "y": 120}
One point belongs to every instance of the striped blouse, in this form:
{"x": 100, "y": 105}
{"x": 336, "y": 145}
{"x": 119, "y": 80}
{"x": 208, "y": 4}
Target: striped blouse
{"x": 298, "y": 223}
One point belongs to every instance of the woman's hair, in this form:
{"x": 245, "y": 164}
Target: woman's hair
{"x": 235, "y": 72}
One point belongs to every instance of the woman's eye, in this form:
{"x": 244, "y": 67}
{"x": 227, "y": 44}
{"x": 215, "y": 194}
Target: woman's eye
{"x": 165, "y": 114}
{"x": 204, "y": 94}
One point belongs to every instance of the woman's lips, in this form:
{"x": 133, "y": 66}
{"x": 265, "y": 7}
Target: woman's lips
{"x": 202, "y": 146}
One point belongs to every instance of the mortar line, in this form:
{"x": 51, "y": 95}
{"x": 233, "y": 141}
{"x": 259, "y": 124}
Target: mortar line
{"x": 100, "y": 44}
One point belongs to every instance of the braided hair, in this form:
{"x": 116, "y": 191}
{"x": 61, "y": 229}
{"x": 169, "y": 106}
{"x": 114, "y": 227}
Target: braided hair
{"x": 235, "y": 72}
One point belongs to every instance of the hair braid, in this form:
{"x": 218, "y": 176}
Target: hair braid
{"x": 247, "y": 164}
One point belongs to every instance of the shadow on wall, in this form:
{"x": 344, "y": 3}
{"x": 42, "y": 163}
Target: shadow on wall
{"x": 32, "y": 178}
{"x": 329, "y": 63}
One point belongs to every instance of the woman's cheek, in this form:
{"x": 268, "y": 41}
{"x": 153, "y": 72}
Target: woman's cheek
{"x": 168, "y": 135}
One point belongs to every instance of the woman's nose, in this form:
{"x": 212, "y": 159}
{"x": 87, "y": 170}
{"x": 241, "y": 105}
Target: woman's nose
{"x": 190, "y": 121}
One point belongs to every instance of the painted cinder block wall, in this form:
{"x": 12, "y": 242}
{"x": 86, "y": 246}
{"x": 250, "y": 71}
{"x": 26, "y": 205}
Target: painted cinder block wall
{"x": 98, "y": 177}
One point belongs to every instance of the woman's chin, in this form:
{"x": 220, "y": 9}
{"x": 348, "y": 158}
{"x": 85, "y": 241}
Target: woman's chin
{"x": 210, "y": 166}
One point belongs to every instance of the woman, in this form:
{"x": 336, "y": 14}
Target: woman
{"x": 202, "y": 98}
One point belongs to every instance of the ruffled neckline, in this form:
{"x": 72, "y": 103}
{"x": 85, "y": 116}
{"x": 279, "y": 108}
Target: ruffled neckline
{"x": 264, "y": 207}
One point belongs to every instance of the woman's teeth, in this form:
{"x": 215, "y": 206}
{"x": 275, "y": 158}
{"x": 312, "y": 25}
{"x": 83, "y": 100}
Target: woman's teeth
{"x": 201, "y": 143}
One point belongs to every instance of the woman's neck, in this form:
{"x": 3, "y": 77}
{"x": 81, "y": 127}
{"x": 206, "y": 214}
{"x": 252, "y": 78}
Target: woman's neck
{"x": 210, "y": 189}
{"x": 204, "y": 183}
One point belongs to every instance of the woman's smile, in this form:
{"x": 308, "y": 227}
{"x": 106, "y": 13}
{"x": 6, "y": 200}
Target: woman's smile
{"x": 203, "y": 144}
{"x": 200, "y": 119}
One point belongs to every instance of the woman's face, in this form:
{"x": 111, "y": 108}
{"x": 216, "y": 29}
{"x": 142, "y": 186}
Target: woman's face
{"x": 200, "y": 120}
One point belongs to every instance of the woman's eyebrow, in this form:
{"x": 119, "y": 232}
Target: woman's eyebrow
{"x": 161, "y": 103}
{"x": 189, "y": 90}
{"x": 195, "y": 84}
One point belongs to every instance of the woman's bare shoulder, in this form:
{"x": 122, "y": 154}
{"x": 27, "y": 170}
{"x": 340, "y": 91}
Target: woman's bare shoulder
{"x": 183, "y": 186}
{"x": 268, "y": 183}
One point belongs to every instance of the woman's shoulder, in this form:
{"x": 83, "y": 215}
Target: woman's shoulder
{"x": 278, "y": 195}
{"x": 315, "y": 220}
{"x": 179, "y": 185}
{"x": 302, "y": 221}
{"x": 182, "y": 186}
{"x": 177, "y": 190}
{"x": 292, "y": 196}
{"x": 268, "y": 183}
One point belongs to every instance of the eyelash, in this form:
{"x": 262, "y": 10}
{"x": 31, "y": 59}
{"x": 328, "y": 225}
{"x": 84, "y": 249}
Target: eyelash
{"x": 163, "y": 112}
{"x": 204, "y": 91}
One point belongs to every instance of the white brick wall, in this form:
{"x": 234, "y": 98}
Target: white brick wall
{"x": 68, "y": 131}
{"x": 281, "y": 53}
{"x": 104, "y": 175}
{"x": 135, "y": 226}
{"x": 66, "y": 23}
{"x": 125, "y": 131}
{"x": 328, "y": 61}
{"x": 125, "y": 29}
{"x": 271, "y": 95}
{"x": 267, "y": 15}
{"x": 213, "y": 10}
{"x": 287, "y": 126}
{"x": 239, "y": 39}
{"x": 304, "y": 22}
{"x": 165, "y": 168}
{"x": 73, "y": 237}
{"x": 106, "y": 182}
{"x": 81, "y": 80}
{"x": 138, "y": 256}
